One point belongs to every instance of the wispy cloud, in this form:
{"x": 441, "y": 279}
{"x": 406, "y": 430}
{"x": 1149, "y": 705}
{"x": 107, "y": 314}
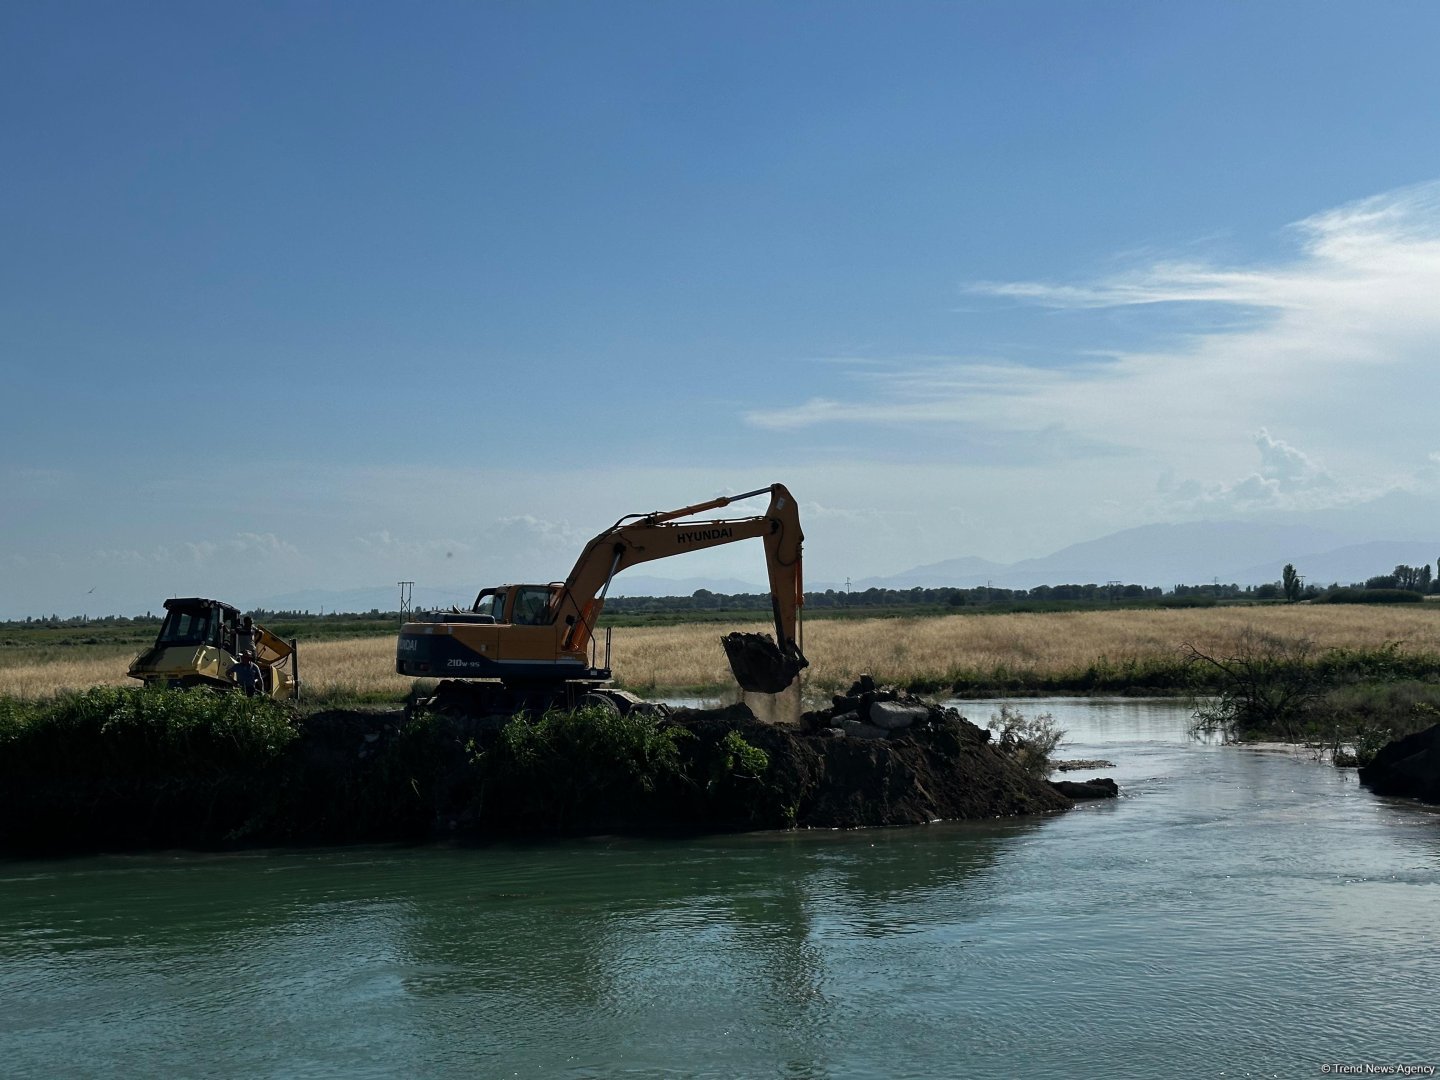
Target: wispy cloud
{"x": 385, "y": 544}
{"x": 245, "y": 547}
{"x": 1337, "y": 351}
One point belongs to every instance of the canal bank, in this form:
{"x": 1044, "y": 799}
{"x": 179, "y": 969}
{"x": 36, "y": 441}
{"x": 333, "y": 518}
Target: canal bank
{"x": 133, "y": 769}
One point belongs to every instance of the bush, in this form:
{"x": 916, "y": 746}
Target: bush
{"x": 1269, "y": 686}
{"x": 740, "y": 758}
{"x": 1370, "y": 596}
{"x": 1029, "y": 741}
{"x": 548, "y": 770}
{"x": 1360, "y": 719}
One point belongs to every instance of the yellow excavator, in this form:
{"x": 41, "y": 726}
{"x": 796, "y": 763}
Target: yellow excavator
{"x": 534, "y": 647}
{"x": 201, "y": 640}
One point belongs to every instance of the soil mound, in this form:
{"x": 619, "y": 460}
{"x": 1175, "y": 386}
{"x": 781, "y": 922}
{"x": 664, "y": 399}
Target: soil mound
{"x": 843, "y": 767}
{"x": 876, "y": 757}
{"x": 1408, "y": 767}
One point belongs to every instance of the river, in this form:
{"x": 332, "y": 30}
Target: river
{"x": 1235, "y": 913}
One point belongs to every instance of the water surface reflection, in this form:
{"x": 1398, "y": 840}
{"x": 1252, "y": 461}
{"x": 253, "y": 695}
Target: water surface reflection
{"x": 1251, "y": 912}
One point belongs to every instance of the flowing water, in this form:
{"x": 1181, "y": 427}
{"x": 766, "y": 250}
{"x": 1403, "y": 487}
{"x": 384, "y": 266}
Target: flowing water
{"x": 1236, "y": 913}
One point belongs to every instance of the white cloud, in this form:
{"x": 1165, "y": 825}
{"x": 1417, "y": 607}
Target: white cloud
{"x": 265, "y": 545}
{"x": 1287, "y": 479}
{"x": 1289, "y": 468}
{"x": 386, "y": 545}
{"x": 1338, "y": 348}
{"x": 200, "y": 551}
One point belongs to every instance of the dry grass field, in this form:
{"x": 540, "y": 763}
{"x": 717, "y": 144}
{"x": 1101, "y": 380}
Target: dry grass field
{"x": 939, "y": 649}
{"x": 933, "y": 650}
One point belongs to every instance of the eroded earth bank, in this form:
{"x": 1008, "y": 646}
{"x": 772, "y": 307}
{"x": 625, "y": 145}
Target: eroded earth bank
{"x": 876, "y": 757}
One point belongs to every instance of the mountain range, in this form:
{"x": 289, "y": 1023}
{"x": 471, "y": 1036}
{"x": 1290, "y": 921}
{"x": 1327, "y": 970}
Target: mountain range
{"x": 1241, "y": 553}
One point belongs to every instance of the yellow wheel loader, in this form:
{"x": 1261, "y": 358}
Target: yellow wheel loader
{"x": 201, "y": 642}
{"x": 533, "y": 646}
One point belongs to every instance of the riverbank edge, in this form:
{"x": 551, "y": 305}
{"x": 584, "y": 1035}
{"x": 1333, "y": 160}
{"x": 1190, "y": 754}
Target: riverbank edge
{"x": 376, "y": 775}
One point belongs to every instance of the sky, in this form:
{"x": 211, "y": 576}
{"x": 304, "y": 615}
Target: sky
{"x": 331, "y": 295}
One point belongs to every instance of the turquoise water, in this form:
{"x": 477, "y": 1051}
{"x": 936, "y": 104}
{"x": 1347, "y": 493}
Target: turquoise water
{"x": 1236, "y": 913}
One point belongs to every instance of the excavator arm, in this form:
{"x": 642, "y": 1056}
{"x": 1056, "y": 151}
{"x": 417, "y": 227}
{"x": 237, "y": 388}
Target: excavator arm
{"x": 646, "y": 537}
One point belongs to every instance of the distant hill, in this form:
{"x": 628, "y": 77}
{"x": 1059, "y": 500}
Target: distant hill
{"x": 1244, "y": 553}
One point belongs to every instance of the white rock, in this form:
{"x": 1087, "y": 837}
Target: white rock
{"x": 891, "y": 715}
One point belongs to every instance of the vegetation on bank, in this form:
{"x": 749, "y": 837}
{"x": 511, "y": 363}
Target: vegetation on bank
{"x": 115, "y": 762}
{"x": 1031, "y": 741}
{"x": 125, "y": 766}
{"x": 1347, "y": 701}
{"x": 121, "y": 768}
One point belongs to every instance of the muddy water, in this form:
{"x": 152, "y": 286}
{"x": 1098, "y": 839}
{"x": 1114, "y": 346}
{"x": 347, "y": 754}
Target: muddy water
{"x": 1236, "y": 913}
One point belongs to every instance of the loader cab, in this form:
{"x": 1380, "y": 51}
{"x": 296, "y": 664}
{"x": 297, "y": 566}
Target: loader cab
{"x": 194, "y": 620}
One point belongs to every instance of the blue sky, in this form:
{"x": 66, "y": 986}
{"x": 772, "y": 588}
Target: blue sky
{"x": 329, "y": 295}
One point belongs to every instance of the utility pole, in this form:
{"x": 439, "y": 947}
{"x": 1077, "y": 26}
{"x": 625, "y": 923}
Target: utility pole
{"x": 405, "y": 587}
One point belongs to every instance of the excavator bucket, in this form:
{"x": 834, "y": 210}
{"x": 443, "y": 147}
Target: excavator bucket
{"x": 761, "y": 666}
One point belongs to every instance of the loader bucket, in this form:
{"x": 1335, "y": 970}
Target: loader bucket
{"x": 759, "y": 665}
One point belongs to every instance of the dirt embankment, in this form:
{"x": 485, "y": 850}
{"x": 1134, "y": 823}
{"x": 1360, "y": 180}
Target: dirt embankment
{"x": 367, "y": 776}
{"x": 720, "y": 769}
{"x": 1409, "y": 767}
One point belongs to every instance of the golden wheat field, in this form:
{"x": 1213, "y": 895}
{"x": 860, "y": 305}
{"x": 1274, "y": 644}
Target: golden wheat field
{"x": 893, "y": 650}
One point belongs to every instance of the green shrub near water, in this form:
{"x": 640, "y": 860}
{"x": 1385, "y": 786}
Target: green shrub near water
{"x": 1030, "y": 741}
{"x": 543, "y": 771}
{"x": 1348, "y": 702}
{"x": 740, "y": 758}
